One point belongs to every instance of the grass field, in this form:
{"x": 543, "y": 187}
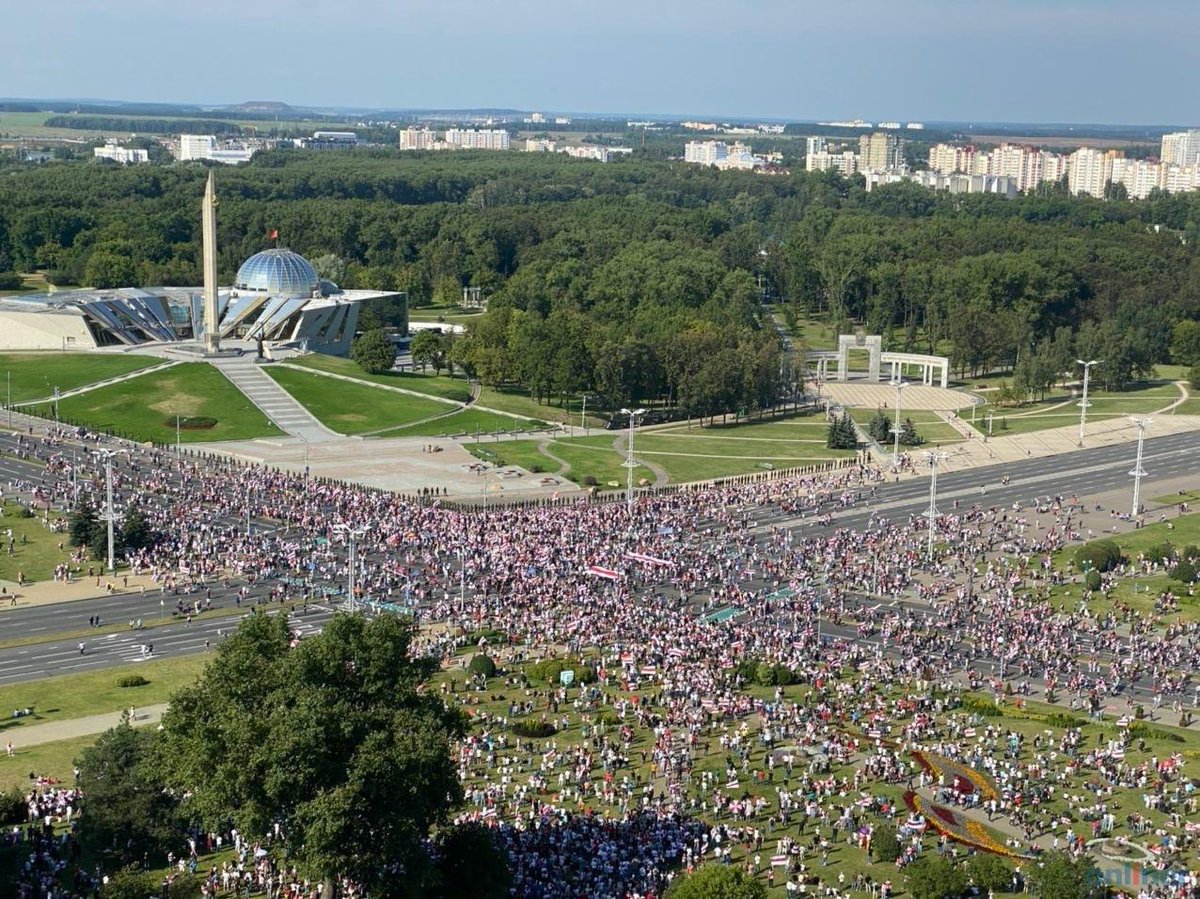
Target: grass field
{"x": 935, "y": 431}
{"x": 455, "y": 389}
{"x": 35, "y": 546}
{"x": 518, "y": 402}
{"x": 450, "y": 315}
{"x": 468, "y": 421}
{"x": 35, "y": 375}
{"x": 588, "y": 457}
{"x": 1060, "y": 409}
{"x": 145, "y": 408}
{"x": 353, "y": 408}
{"x": 56, "y": 760}
{"x": 94, "y": 692}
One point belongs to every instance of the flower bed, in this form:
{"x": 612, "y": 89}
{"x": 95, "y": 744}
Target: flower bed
{"x": 959, "y": 827}
{"x": 965, "y": 778}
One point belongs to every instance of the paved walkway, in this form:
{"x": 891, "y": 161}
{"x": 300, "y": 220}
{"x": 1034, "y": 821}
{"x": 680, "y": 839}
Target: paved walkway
{"x": 79, "y": 727}
{"x": 275, "y": 402}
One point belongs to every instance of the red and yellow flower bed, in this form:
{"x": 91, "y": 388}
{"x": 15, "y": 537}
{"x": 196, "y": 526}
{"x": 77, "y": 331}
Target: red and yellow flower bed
{"x": 958, "y": 827}
{"x": 965, "y": 778}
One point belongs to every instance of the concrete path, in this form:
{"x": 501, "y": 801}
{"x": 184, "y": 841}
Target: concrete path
{"x": 79, "y": 727}
{"x": 275, "y": 402}
{"x": 96, "y": 385}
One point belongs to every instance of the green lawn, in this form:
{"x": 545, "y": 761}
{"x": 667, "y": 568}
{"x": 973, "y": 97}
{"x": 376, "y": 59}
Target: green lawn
{"x": 145, "y": 408}
{"x": 518, "y": 402}
{"x": 35, "y": 547}
{"x": 468, "y": 421}
{"x": 353, "y": 408}
{"x": 94, "y": 692}
{"x": 455, "y": 389}
{"x": 35, "y": 375}
{"x": 935, "y": 431}
{"x": 56, "y": 760}
{"x": 1060, "y": 409}
{"x": 588, "y": 457}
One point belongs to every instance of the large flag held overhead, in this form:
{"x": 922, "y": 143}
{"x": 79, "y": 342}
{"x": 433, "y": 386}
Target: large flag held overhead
{"x": 649, "y": 560}
{"x": 606, "y": 573}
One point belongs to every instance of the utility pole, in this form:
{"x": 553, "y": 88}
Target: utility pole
{"x": 630, "y": 464}
{"x": 178, "y": 448}
{"x": 933, "y": 458}
{"x": 1138, "y": 472}
{"x": 9, "y": 403}
{"x": 583, "y": 416}
{"x": 352, "y": 535}
{"x": 109, "y": 511}
{"x": 1083, "y": 403}
{"x": 899, "y": 385}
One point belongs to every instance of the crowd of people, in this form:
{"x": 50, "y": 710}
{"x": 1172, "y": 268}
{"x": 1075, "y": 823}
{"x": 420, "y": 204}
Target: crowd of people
{"x": 686, "y": 611}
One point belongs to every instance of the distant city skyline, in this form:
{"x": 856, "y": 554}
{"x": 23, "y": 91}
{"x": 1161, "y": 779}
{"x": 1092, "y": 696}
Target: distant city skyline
{"x": 928, "y": 60}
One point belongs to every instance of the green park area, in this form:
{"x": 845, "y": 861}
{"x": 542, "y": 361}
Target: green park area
{"x": 34, "y": 546}
{"x": 35, "y": 375}
{"x": 928, "y": 425}
{"x": 1061, "y": 408}
{"x": 455, "y": 389}
{"x": 207, "y": 405}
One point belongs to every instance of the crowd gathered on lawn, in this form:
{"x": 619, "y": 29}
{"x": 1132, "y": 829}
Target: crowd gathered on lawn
{"x": 741, "y": 680}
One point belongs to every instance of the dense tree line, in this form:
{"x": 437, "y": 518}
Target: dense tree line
{"x": 144, "y": 126}
{"x": 641, "y": 279}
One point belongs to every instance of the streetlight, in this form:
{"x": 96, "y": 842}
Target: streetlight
{"x": 110, "y": 514}
{"x": 352, "y": 535}
{"x": 1138, "y": 472}
{"x": 899, "y": 385}
{"x": 933, "y": 458}
{"x": 630, "y": 464}
{"x": 1083, "y": 403}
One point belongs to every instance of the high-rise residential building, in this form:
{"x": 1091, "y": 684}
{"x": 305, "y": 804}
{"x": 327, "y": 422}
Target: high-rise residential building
{"x": 846, "y": 163}
{"x": 206, "y": 146}
{"x": 1176, "y": 178}
{"x": 412, "y": 138}
{"x": 1181, "y": 148}
{"x": 881, "y": 151}
{"x": 705, "y": 152}
{"x": 947, "y": 159}
{"x": 539, "y": 145}
{"x": 1138, "y": 176}
{"x": 124, "y": 155}
{"x": 1089, "y": 172}
{"x": 814, "y": 145}
{"x": 478, "y": 139}
{"x": 196, "y": 146}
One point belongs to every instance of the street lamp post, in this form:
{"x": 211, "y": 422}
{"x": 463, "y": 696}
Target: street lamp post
{"x": 352, "y": 535}
{"x": 899, "y": 385}
{"x": 933, "y": 458}
{"x": 1083, "y": 403}
{"x": 1139, "y": 472}
{"x": 109, "y": 512}
{"x": 630, "y": 464}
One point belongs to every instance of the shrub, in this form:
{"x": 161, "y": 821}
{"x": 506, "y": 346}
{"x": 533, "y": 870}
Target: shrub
{"x": 132, "y": 680}
{"x": 589, "y": 480}
{"x": 1093, "y": 580}
{"x": 1184, "y": 572}
{"x": 989, "y": 872}
{"x": 1141, "y": 729}
{"x": 978, "y": 706}
{"x": 1058, "y": 719}
{"x": 534, "y": 730}
{"x": 549, "y": 670}
{"x": 12, "y": 807}
{"x": 1099, "y": 555}
{"x": 482, "y": 664}
{"x": 1159, "y": 552}
{"x": 885, "y": 847}
{"x": 11, "y": 281}
{"x": 536, "y": 468}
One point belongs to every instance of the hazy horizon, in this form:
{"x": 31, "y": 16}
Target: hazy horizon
{"x": 1099, "y": 62}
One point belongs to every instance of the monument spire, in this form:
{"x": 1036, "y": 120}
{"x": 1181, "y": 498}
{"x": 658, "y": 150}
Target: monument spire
{"x": 212, "y": 329}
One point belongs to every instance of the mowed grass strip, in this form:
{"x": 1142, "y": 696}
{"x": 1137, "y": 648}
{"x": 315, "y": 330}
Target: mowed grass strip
{"x": 35, "y": 375}
{"x": 55, "y": 760}
{"x": 145, "y": 408}
{"x": 93, "y": 692}
{"x": 353, "y": 408}
{"x": 470, "y": 422}
{"x": 1061, "y": 409}
{"x": 455, "y": 389}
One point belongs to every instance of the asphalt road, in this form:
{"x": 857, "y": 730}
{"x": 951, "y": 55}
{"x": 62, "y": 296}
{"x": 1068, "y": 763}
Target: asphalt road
{"x": 1086, "y": 473}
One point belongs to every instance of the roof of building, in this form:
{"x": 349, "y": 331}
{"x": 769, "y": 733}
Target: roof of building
{"x": 279, "y": 272}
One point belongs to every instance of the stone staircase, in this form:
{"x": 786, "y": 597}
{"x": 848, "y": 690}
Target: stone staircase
{"x": 275, "y": 402}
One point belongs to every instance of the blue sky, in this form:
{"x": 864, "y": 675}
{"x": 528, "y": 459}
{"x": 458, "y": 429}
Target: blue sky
{"x": 1131, "y": 61}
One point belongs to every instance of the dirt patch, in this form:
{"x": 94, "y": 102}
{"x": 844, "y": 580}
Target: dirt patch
{"x": 178, "y": 403}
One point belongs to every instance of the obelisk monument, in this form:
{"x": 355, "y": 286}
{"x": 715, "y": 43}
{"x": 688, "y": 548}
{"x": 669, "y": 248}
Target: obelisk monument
{"x": 212, "y": 326}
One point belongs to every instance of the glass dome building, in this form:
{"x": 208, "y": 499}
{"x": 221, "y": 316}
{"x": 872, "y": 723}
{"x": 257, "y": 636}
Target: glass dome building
{"x": 279, "y": 273}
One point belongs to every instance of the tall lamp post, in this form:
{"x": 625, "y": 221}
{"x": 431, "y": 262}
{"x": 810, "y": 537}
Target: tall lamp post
{"x": 352, "y": 535}
{"x": 933, "y": 458}
{"x": 899, "y": 385}
{"x": 110, "y": 514}
{"x": 1139, "y": 472}
{"x": 1083, "y": 403}
{"x": 630, "y": 464}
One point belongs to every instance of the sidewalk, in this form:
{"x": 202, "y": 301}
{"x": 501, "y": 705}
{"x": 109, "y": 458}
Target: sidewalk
{"x": 45, "y": 593}
{"x": 80, "y": 727}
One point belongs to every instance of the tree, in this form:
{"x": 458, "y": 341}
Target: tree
{"x": 83, "y": 525}
{"x": 470, "y": 865}
{"x": 717, "y": 882}
{"x": 107, "y": 269}
{"x": 335, "y": 739}
{"x": 1059, "y": 876}
{"x": 909, "y": 435}
{"x": 129, "y": 812}
{"x": 842, "y": 433}
{"x": 885, "y": 845}
{"x": 934, "y": 877}
{"x": 990, "y": 873}
{"x": 880, "y": 427}
{"x": 135, "y": 530}
{"x": 373, "y": 352}
{"x": 429, "y": 348}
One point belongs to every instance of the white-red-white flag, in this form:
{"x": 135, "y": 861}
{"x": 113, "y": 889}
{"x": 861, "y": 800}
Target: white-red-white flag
{"x": 648, "y": 559}
{"x": 606, "y": 573}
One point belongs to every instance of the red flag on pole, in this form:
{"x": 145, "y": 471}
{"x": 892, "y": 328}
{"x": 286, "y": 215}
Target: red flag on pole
{"x": 274, "y": 234}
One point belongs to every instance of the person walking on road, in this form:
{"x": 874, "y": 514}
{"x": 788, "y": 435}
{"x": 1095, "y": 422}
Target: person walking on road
{"x": 81, "y": 647}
